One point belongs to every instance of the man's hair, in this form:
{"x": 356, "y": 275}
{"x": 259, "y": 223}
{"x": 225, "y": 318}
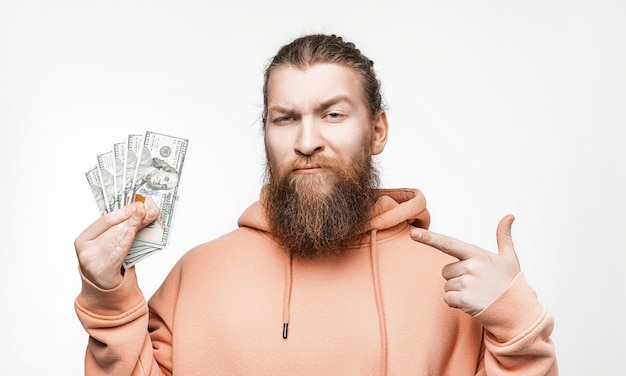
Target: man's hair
{"x": 309, "y": 50}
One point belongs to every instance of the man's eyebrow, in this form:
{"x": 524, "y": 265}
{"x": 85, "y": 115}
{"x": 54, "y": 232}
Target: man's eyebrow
{"x": 280, "y": 109}
{"x": 320, "y": 107}
{"x": 333, "y": 101}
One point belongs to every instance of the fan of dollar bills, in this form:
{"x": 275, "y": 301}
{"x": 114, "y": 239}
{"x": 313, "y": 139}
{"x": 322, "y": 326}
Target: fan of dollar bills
{"x": 145, "y": 165}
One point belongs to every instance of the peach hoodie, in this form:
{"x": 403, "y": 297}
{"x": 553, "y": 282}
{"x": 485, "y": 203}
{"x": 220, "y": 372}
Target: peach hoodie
{"x": 377, "y": 310}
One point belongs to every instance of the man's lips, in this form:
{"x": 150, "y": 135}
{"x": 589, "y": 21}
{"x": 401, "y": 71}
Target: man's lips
{"x": 308, "y": 170}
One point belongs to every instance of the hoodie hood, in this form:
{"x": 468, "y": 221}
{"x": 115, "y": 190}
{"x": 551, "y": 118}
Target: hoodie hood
{"x": 394, "y": 206}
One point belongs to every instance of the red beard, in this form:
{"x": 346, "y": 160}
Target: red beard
{"x": 321, "y": 214}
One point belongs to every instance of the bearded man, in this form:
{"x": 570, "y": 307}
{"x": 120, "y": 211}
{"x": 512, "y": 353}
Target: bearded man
{"x": 348, "y": 271}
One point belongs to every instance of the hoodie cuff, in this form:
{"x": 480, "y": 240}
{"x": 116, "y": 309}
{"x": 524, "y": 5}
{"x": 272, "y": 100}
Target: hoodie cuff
{"x": 123, "y": 298}
{"x": 513, "y": 313}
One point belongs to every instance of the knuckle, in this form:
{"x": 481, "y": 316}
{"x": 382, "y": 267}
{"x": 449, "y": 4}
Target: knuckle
{"x": 452, "y": 299}
{"x": 461, "y": 282}
{"x": 78, "y": 244}
{"x": 115, "y": 241}
{"x": 468, "y": 269}
{"x": 118, "y": 238}
{"x": 463, "y": 300}
{"x": 447, "y": 244}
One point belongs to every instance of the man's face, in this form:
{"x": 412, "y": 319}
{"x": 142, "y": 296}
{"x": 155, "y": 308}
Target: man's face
{"x": 319, "y": 140}
{"x": 161, "y": 180}
{"x": 313, "y": 113}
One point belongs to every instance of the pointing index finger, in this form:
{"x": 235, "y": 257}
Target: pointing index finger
{"x": 444, "y": 243}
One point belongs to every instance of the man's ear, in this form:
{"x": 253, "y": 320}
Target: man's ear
{"x": 379, "y": 134}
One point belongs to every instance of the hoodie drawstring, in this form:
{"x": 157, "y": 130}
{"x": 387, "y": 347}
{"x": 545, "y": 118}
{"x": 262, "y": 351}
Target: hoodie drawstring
{"x": 287, "y": 296}
{"x": 382, "y": 326}
{"x": 377, "y": 293}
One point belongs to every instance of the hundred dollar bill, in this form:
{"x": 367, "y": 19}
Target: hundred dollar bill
{"x": 106, "y": 173}
{"x": 93, "y": 179}
{"x": 157, "y": 176}
{"x": 134, "y": 145}
{"x": 119, "y": 153}
{"x": 137, "y": 254}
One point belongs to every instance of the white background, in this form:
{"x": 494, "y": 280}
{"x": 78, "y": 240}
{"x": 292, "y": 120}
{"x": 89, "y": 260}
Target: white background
{"x": 494, "y": 106}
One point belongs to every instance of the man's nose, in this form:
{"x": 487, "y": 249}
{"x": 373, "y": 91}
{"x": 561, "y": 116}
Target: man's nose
{"x": 310, "y": 139}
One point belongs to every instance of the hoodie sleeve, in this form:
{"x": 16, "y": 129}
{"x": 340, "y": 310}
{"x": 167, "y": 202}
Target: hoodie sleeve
{"x": 117, "y": 322}
{"x": 517, "y": 334}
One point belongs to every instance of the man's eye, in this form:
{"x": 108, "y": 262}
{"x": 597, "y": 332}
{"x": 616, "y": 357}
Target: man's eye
{"x": 334, "y": 115}
{"x": 283, "y": 119}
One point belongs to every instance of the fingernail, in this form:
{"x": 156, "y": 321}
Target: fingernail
{"x": 136, "y": 213}
{"x": 416, "y": 234}
{"x": 152, "y": 213}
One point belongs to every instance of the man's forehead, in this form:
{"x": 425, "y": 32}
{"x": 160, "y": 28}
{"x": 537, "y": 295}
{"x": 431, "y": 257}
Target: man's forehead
{"x": 317, "y": 85}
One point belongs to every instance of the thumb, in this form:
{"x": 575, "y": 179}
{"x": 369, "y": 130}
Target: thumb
{"x": 504, "y": 238}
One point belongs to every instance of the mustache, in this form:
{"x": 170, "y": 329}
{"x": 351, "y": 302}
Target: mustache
{"x": 313, "y": 161}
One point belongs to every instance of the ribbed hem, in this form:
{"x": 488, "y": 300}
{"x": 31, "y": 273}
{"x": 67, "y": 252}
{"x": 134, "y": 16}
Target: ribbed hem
{"x": 125, "y": 297}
